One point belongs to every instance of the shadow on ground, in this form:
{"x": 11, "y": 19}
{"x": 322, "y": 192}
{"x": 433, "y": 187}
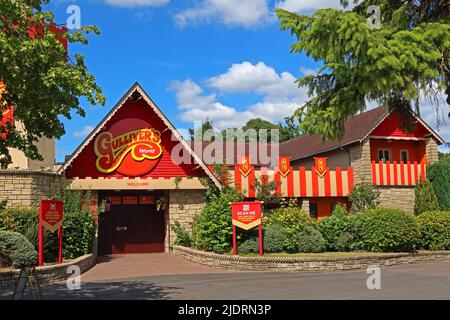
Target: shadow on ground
{"x": 117, "y": 290}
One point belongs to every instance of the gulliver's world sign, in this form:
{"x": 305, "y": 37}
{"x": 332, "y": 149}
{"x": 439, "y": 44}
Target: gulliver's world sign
{"x": 130, "y": 153}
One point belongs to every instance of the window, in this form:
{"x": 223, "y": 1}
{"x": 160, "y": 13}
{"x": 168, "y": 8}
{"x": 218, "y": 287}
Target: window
{"x": 404, "y": 156}
{"x": 384, "y": 155}
{"x": 313, "y": 210}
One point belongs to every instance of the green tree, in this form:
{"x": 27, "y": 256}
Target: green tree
{"x": 394, "y": 65}
{"x": 259, "y": 124}
{"x": 364, "y": 196}
{"x": 426, "y": 199}
{"x": 201, "y": 133}
{"x": 43, "y": 82}
{"x": 439, "y": 175}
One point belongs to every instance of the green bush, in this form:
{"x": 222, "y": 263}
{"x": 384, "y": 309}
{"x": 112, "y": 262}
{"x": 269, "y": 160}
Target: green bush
{"x": 439, "y": 175}
{"x": 337, "y": 230}
{"x": 386, "y": 230}
{"x": 434, "y": 229}
{"x": 250, "y": 245}
{"x": 212, "y": 229}
{"x": 273, "y": 238}
{"x": 21, "y": 252}
{"x": 183, "y": 236}
{"x": 311, "y": 241}
{"x": 364, "y": 196}
{"x": 425, "y": 197}
{"x": 292, "y": 222}
{"x": 78, "y": 227}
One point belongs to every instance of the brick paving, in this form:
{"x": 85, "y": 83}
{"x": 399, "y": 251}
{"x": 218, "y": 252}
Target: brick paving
{"x": 114, "y": 267}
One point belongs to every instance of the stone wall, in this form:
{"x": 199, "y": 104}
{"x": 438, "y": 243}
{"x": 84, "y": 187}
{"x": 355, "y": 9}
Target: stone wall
{"x": 51, "y": 273}
{"x": 431, "y": 151}
{"x": 24, "y": 188}
{"x": 308, "y": 264}
{"x": 183, "y": 206}
{"x": 397, "y": 197}
{"x": 360, "y": 161}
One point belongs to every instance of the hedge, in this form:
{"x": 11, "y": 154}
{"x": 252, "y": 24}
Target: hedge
{"x": 386, "y": 230}
{"x": 17, "y": 250}
{"x": 292, "y": 222}
{"x": 434, "y": 229}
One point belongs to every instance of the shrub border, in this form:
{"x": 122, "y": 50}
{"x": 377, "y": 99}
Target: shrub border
{"x": 307, "y": 264}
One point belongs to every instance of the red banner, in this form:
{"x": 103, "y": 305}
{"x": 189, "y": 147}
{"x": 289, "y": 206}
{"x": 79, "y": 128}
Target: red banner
{"x": 321, "y": 166}
{"x": 147, "y": 200}
{"x": 284, "y": 166}
{"x": 246, "y": 215}
{"x": 244, "y": 166}
{"x": 52, "y": 214}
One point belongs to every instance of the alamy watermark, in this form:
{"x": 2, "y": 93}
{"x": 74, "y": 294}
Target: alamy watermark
{"x": 374, "y": 280}
{"x": 74, "y": 281}
{"x": 374, "y": 19}
{"x": 73, "y": 21}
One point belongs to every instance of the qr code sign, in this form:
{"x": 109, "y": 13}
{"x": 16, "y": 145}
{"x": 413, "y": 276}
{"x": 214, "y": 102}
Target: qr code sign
{"x": 246, "y": 207}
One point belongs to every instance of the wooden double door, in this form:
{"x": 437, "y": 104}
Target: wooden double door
{"x": 131, "y": 228}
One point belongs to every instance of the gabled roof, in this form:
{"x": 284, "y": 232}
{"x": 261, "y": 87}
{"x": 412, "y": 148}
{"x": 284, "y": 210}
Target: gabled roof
{"x": 137, "y": 89}
{"x": 357, "y": 129}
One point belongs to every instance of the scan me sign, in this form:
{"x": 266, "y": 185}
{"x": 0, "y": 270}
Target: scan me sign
{"x": 247, "y": 215}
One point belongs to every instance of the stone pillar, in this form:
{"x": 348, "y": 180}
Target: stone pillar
{"x": 360, "y": 161}
{"x": 431, "y": 150}
{"x": 184, "y": 205}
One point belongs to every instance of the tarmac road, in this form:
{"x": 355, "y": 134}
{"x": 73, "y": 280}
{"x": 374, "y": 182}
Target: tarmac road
{"x": 425, "y": 281}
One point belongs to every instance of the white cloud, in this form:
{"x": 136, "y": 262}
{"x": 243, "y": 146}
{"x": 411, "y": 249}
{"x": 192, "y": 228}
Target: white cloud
{"x": 137, "y": 3}
{"x": 246, "y": 77}
{"x": 84, "y": 132}
{"x": 303, "y": 6}
{"x": 247, "y": 13}
{"x": 280, "y": 96}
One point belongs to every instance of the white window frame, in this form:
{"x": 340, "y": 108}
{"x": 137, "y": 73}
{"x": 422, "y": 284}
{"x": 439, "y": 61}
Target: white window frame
{"x": 384, "y": 150}
{"x": 407, "y": 155}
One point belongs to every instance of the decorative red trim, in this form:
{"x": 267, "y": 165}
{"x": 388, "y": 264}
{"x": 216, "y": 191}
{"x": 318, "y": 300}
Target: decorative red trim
{"x": 339, "y": 181}
{"x": 350, "y": 180}
{"x": 374, "y": 173}
{"x": 416, "y": 173}
{"x": 302, "y": 177}
{"x": 409, "y": 174}
{"x": 388, "y": 173}
{"x": 315, "y": 183}
{"x": 327, "y": 183}
{"x": 381, "y": 170}
{"x": 290, "y": 182}
{"x": 402, "y": 172}
{"x": 395, "y": 173}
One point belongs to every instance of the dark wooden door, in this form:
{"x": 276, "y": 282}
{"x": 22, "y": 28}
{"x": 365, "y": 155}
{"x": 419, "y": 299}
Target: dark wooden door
{"x": 131, "y": 229}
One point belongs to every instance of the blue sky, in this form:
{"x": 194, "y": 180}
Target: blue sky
{"x": 222, "y": 59}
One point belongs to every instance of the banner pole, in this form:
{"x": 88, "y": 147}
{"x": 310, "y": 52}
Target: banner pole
{"x": 60, "y": 236}
{"x": 41, "y": 238}
{"x": 234, "y": 241}
{"x": 261, "y": 240}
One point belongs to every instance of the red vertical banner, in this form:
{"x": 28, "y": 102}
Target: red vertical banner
{"x": 388, "y": 173}
{"x": 395, "y": 166}
{"x": 374, "y": 173}
{"x": 50, "y": 218}
{"x": 350, "y": 179}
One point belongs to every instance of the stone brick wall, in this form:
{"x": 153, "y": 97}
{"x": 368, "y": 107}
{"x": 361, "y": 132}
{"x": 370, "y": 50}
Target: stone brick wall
{"x": 51, "y": 273}
{"x": 183, "y": 206}
{"x": 398, "y": 198}
{"x": 308, "y": 264}
{"x": 360, "y": 161}
{"x": 24, "y": 188}
{"x": 432, "y": 151}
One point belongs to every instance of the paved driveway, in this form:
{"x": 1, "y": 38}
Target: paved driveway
{"x": 143, "y": 265}
{"x": 426, "y": 281}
